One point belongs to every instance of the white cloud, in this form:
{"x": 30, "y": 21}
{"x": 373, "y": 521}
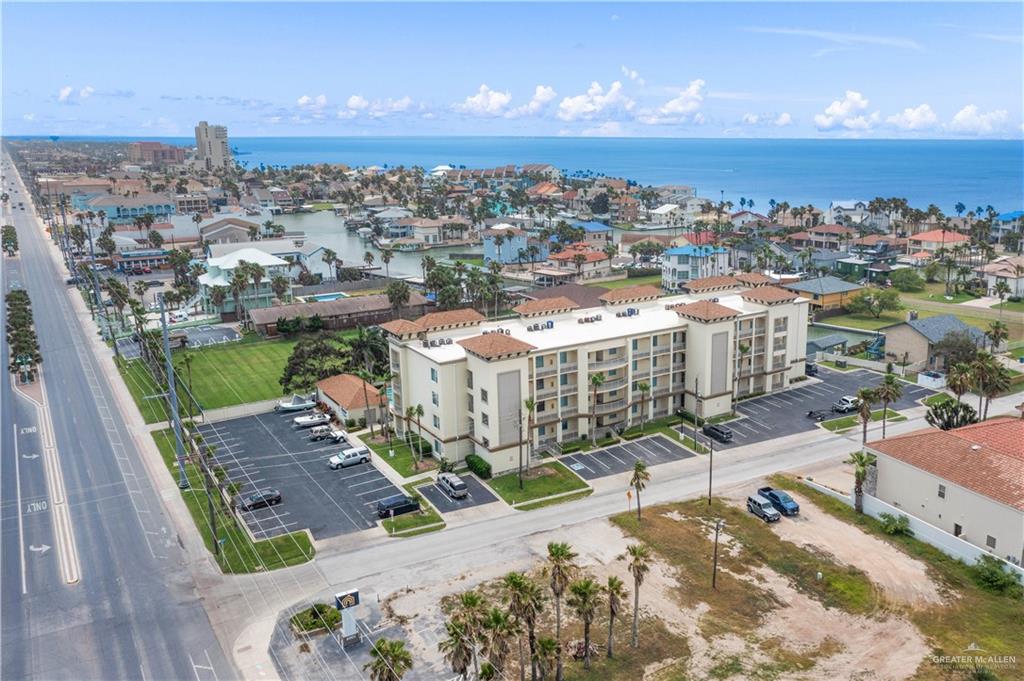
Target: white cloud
{"x": 307, "y": 103}
{"x": 751, "y": 119}
{"x": 918, "y": 118}
{"x": 381, "y": 108}
{"x": 633, "y": 75}
{"x": 486, "y": 102}
{"x": 542, "y": 95}
{"x": 841, "y": 110}
{"x": 841, "y": 38}
{"x": 594, "y": 103}
{"x": 357, "y": 103}
{"x": 606, "y": 129}
{"x": 783, "y": 120}
{"x": 681, "y": 108}
{"x": 861, "y": 123}
{"x": 28, "y": 117}
{"x": 85, "y": 92}
{"x": 65, "y": 94}
{"x": 162, "y": 124}
{"x": 1000, "y": 37}
{"x": 972, "y": 121}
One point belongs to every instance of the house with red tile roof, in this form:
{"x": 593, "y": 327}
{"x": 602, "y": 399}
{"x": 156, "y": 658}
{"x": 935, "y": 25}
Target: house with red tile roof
{"x": 968, "y": 482}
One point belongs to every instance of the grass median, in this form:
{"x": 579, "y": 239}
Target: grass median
{"x": 412, "y": 524}
{"x": 853, "y": 420}
{"x": 539, "y": 482}
{"x": 238, "y": 554}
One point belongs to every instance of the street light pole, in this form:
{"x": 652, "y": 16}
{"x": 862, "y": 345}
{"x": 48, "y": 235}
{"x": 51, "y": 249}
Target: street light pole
{"x": 520, "y": 448}
{"x": 711, "y": 464}
{"x": 173, "y": 394}
{"x": 714, "y": 569}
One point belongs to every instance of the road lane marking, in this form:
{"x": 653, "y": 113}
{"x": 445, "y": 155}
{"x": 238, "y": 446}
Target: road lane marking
{"x": 21, "y": 522}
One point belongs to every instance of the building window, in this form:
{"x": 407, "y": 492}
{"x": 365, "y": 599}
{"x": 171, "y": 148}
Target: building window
{"x": 563, "y": 357}
{"x": 469, "y": 379}
{"x": 433, "y": 374}
{"x": 437, "y": 421}
{"x": 469, "y": 404}
{"x": 433, "y": 399}
{"x": 565, "y": 401}
{"x": 942, "y": 491}
{"x": 483, "y": 395}
{"x": 990, "y": 542}
{"x": 957, "y": 530}
{"x": 636, "y": 343}
{"x": 539, "y": 362}
{"x": 437, "y": 448}
{"x": 484, "y": 420}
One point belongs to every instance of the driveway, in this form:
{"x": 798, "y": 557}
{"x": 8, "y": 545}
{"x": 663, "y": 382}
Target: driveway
{"x": 479, "y": 494}
{"x": 267, "y": 450}
{"x": 620, "y": 458}
{"x": 198, "y": 337}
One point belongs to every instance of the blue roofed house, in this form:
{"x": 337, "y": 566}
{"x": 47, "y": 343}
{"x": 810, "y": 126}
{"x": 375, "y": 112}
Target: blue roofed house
{"x": 124, "y": 209}
{"x": 597, "y": 233}
{"x": 1007, "y": 223}
{"x": 503, "y": 242}
{"x": 915, "y": 339}
{"x": 683, "y": 263}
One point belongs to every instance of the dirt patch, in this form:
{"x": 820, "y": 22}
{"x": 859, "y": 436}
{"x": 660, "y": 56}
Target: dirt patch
{"x": 902, "y": 579}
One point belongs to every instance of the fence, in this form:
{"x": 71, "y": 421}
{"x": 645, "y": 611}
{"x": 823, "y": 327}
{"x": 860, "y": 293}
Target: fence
{"x": 870, "y": 363}
{"x": 926, "y": 532}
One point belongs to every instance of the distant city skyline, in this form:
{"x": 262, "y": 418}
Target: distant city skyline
{"x": 729, "y": 70}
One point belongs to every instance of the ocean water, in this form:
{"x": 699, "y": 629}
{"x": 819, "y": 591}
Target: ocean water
{"x": 943, "y": 172}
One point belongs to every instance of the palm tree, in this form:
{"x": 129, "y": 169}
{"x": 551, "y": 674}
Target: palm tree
{"x": 584, "y": 598}
{"x": 410, "y": 414}
{"x": 997, "y": 333}
{"x": 596, "y": 381}
{"x": 329, "y": 258}
{"x": 561, "y": 568}
{"x": 547, "y": 652}
{"x": 616, "y": 592}
{"x": 888, "y": 391}
{"x": 1002, "y": 290}
{"x": 279, "y": 285}
{"x": 530, "y": 405}
{"x": 238, "y": 284}
{"x": 257, "y": 274}
{"x": 457, "y": 651}
{"x": 140, "y": 289}
{"x": 579, "y": 260}
{"x": 861, "y": 461}
{"x": 525, "y": 602}
{"x": 218, "y": 296}
{"x": 385, "y": 257}
{"x": 959, "y": 379}
{"x": 643, "y": 388}
{"x": 638, "y": 560}
{"x": 470, "y": 612}
{"x": 390, "y": 660}
{"x": 497, "y": 629}
{"x": 368, "y": 258}
{"x": 419, "y": 429}
{"x": 866, "y": 397}
{"x": 639, "y": 481}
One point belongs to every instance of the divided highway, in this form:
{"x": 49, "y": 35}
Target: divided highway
{"x": 94, "y": 582}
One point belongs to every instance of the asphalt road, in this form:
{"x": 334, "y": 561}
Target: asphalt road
{"x": 94, "y": 582}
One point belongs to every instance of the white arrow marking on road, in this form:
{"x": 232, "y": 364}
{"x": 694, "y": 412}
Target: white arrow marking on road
{"x": 30, "y": 456}
{"x": 39, "y": 549}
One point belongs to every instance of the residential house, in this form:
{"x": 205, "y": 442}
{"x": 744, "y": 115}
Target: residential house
{"x": 228, "y": 231}
{"x": 856, "y": 213}
{"x": 825, "y": 293}
{"x": 596, "y": 234}
{"x": 914, "y": 340}
{"x": 624, "y": 209}
{"x": 935, "y": 240}
{"x": 515, "y": 244}
{"x": 1008, "y": 223}
{"x": 191, "y": 203}
{"x": 124, "y": 209}
{"x": 350, "y": 398}
{"x": 823, "y": 236}
{"x": 681, "y": 264}
{"x": 301, "y": 255}
{"x": 341, "y": 313}
{"x": 543, "y": 170}
{"x": 968, "y": 481}
{"x": 221, "y": 270}
{"x": 1008, "y": 269}
{"x": 745, "y": 218}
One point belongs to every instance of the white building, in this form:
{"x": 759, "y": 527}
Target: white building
{"x": 212, "y": 150}
{"x": 221, "y": 270}
{"x": 1008, "y": 269}
{"x": 853, "y": 213}
{"x": 471, "y": 376}
{"x": 300, "y": 255}
{"x": 967, "y": 481}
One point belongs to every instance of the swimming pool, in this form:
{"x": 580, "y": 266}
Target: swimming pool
{"x": 323, "y": 297}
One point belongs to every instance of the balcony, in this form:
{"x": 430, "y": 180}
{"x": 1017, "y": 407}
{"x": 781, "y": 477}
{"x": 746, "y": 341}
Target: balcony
{"x": 608, "y": 407}
{"x": 612, "y": 384}
{"x": 660, "y": 390}
{"x": 662, "y": 368}
{"x": 543, "y": 393}
{"x": 570, "y": 388}
{"x": 548, "y": 370}
{"x": 547, "y": 416}
{"x": 665, "y": 349}
{"x": 658, "y": 413}
{"x": 641, "y": 353}
{"x": 571, "y": 410}
{"x": 616, "y": 361}
{"x": 567, "y": 367}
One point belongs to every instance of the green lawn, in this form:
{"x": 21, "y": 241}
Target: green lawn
{"x": 323, "y": 206}
{"x": 653, "y": 280}
{"x": 541, "y": 481}
{"x": 412, "y": 524}
{"x": 551, "y": 502}
{"x": 847, "y": 422}
{"x": 867, "y": 322}
{"x": 832, "y": 365}
{"x": 479, "y": 262}
{"x": 937, "y": 292}
{"x": 404, "y": 460}
{"x": 1010, "y": 307}
{"x": 239, "y": 554}
{"x": 141, "y": 385}
{"x": 937, "y": 398}
{"x": 971, "y": 614}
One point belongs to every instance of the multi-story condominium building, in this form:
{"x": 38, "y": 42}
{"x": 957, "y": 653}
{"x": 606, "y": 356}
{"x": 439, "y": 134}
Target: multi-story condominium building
{"x": 191, "y": 203}
{"x": 155, "y": 153}
{"x": 584, "y": 368}
{"x": 124, "y": 209}
{"x": 212, "y": 150}
{"x": 683, "y": 263}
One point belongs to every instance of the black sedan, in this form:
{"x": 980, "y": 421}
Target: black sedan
{"x": 717, "y": 432}
{"x": 260, "y": 499}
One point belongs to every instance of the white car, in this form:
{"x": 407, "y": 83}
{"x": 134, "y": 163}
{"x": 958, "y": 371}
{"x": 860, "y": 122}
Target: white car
{"x": 327, "y": 433}
{"x": 349, "y": 457}
{"x": 179, "y": 316}
{"x": 311, "y": 420}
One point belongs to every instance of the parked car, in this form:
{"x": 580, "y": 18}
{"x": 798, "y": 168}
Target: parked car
{"x": 137, "y": 270}
{"x": 296, "y": 403}
{"x": 147, "y": 270}
{"x": 310, "y": 420}
{"x": 73, "y": 281}
{"x": 845, "y": 404}
{"x": 179, "y": 316}
{"x": 717, "y": 432}
{"x": 397, "y": 505}
{"x": 811, "y": 369}
{"x": 349, "y": 457}
{"x": 818, "y": 415}
{"x": 327, "y": 433}
{"x": 154, "y": 283}
{"x": 452, "y": 485}
{"x": 260, "y": 499}
{"x": 762, "y": 508}
{"x": 781, "y": 502}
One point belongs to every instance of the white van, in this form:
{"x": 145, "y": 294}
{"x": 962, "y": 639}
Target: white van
{"x": 179, "y": 316}
{"x": 349, "y": 457}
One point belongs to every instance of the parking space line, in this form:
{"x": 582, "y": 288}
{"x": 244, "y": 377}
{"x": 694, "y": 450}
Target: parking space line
{"x": 609, "y": 453}
{"x": 366, "y": 482}
{"x": 374, "y": 491}
{"x": 576, "y": 460}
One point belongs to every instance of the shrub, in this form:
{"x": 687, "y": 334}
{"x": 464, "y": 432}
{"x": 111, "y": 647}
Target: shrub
{"x": 571, "y": 447}
{"x": 350, "y": 423}
{"x": 895, "y": 525}
{"x": 445, "y": 466}
{"x": 479, "y": 466}
{"x": 362, "y": 422}
{"x": 687, "y": 416}
{"x": 317, "y": 616}
{"x": 637, "y": 272}
{"x": 989, "y": 574}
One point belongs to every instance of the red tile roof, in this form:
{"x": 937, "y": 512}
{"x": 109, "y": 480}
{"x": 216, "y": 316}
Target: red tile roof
{"x": 631, "y": 293}
{"x": 346, "y": 391}
{"x": 986, "y": 458}
{"x": 753, "y": 278}
{"x": 705, "y": 311}
{"x": 570, "y": 255}
{"x": 937, "y": 236}
{"x": 401, "y": 327}
{"x": 710, "y": 283}
{"x": 492, "y": 345}
{"x": 557, "y": 304}
{"x": 438, "y": 320}
{"x": 768, "y": 295}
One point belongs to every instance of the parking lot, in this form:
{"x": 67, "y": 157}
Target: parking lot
{"x": 785, "y": 413}
{"x": 479, "y": 494}
{"x": 621, "y": 458}
{"x": 266, "y": 450}
{"x": 198, "y": 337}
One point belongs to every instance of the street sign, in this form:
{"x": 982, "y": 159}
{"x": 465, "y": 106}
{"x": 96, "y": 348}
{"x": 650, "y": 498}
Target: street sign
{"x": 346, "y": 599}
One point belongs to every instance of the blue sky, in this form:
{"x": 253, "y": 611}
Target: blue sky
{"x": 914, "y": 70}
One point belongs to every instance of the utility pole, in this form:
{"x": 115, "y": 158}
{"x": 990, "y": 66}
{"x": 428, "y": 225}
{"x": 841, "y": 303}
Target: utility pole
{"x": 207, "y": 483}
{"x": 714, "y": 569}
{"x": 520, "y": 448}
{"x": 696, "y": 396}
{"x": 173, "y": 394}
{"x": 711, "y": 464}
